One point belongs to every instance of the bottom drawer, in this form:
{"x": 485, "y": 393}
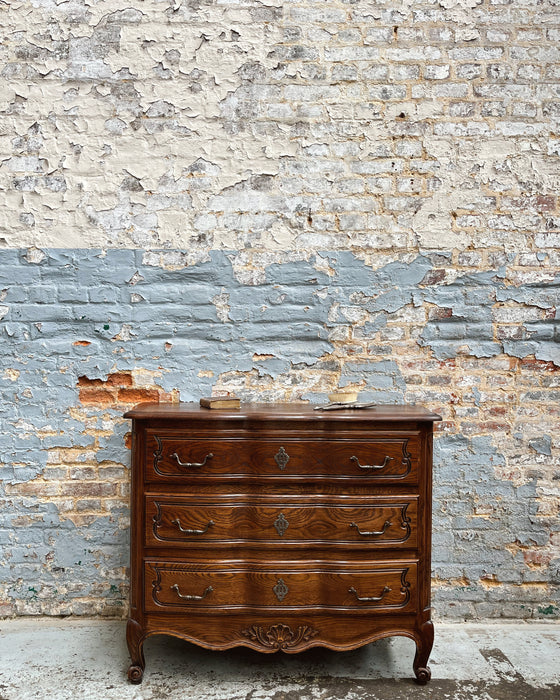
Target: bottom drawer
{"x": 234, "y": 585}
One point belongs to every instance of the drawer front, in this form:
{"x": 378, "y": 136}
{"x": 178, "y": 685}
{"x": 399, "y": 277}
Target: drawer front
{"x": 388, "y": 459}
{"x": 386, "y": 523}
{"x": 382, "y": 587}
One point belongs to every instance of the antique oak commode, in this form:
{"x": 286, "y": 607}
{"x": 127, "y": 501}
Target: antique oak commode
{"x": 281, "y": 528}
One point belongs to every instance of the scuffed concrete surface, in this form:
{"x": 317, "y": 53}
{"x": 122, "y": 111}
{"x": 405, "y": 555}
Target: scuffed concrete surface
{"x": 62, "y": 660}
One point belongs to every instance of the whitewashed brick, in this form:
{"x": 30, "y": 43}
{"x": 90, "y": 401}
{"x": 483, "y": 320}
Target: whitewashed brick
{"x": 317, "y": 15}
{"x": 378, "y": 35}
{"x": 417, "y": 53}
{"x": 352, "y": 53}
{"x": 436, "y": 72}
{"x": 519, "y": 128}
{"x": 476, "y": 53}
{"x": 408, "y": 147}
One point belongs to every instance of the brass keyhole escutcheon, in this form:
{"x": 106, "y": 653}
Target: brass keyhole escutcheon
{"x": 282, "y": 458}
{"x": 281, "y": 524}
{"x": 281, "y": 590}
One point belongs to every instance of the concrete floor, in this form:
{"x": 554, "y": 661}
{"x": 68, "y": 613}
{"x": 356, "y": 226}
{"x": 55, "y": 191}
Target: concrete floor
{"x": 75, "y": 659}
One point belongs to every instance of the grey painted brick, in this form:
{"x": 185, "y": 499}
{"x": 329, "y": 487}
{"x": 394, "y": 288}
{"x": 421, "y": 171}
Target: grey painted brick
{"x": 178, "y": 308}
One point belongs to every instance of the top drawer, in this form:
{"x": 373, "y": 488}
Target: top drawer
{"x": 171, "y": 457}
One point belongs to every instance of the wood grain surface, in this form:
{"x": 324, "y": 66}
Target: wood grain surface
{"x": 386, "y": 523}
{"x": 281, "y": 528}
{"x": 384, "y": 458}
{"x": 373, "y": 587}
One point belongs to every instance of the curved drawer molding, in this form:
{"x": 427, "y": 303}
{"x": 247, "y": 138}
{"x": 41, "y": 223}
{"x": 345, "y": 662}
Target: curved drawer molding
{"x": 387, "y": 459}
{"x": 387, "y": 523}
{"x": 377, "y": 587}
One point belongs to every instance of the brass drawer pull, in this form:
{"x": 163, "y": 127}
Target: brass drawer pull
{"x": 191, "y": 465}
{"x": 175, "y": 588}
{"x": 388, "y": 524}
{"x": 191, "y": 532}
{"x": 370, "y": 600}
{"x": 372, "y": 466}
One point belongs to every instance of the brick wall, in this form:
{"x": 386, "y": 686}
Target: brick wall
{"x": 279, "y": 199}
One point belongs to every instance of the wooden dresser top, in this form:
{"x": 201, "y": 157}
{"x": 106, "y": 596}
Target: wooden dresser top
{"x": 279, "y": 412}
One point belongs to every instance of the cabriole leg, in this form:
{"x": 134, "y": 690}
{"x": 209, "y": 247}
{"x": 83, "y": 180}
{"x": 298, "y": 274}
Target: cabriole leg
{"x": 424, "y": 644}
{"x": 134, "y": 640}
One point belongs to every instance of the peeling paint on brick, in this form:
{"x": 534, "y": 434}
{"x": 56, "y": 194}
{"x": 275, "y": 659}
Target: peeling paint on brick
{"x": 279, "y": 199}
{"x": 296, "y": 335}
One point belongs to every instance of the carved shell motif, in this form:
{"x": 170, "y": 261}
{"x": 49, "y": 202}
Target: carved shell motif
{"x": 280, "y": 636}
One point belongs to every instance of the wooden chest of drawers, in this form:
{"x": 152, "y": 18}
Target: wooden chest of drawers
{"x": 280, "y": 527}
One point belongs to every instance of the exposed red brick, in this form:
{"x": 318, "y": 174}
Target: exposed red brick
{"x": 540, "y": 202}
{"x": 438, "y": 312}
{"x": 137, "y": 395}
{"x": 86, "y": 381}
{"x": 444, "y": 426}
{"x": 475, "y": 428}
{"x": 94, "y": 396}
{"x": 120, "y": 379}
{"x": 501, "y": 363}
{"x": 433, "y": 277}
{"x": 546, "y": 203}
{"x": 84, "y": 343}
{"x": 497, "y": 411}
{"x": 517, "y": 202}
{"x": 421, "y": 365}
{"x": 510, "y": 332}
{"x": 534, "y": 558}
{"x": 81, "y": 473}
{"x": 491, "y": 426}
{"x": 128, "y": 441}
{"x": 445, "y": 364}
{"x": 538, "y": 365}
{"x": 115, "y": 379}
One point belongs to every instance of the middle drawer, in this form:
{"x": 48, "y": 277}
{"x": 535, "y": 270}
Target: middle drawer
{"x": 385, "y": 522}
